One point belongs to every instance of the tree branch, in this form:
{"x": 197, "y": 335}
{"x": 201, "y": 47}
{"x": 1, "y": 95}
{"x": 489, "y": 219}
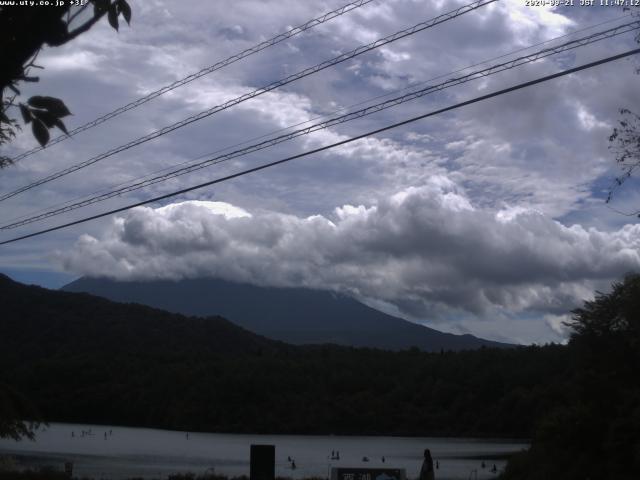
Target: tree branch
{"x": 78, "y": 12}
{"x": 84, "y": 27}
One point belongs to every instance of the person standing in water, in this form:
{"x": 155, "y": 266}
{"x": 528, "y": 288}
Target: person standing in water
{"x": 426, "y": 472}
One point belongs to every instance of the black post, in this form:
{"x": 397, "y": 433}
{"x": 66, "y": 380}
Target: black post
{"x": 263, "y": 462}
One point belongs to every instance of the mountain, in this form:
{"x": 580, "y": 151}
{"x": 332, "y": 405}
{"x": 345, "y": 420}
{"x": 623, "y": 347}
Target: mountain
{"x": 293, "y": 315}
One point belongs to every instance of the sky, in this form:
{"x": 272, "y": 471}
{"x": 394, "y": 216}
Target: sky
{"x": 489, "y": 219}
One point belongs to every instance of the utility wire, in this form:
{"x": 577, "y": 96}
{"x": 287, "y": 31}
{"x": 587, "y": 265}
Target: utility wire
{"x": 577, "y": 43}
{"x": 319, "y": 117}
{"x": 333, "y": 145}
{"x": 205, "y": 71}
{"x": 272, "y": 86}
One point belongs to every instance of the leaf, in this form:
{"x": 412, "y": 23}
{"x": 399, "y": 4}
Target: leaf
{"x": 46, "y": 117}
{"x": 61, "y": 126}
{"x": 125, "y": 9}
{"x": 40, "y": 132}
{"x": 4, "y": 118}
{"x": 112, "y": 15}
{"x": 5, "y": 161}
{"x": 26, "y": 113}
{"x": 53, "y": 105}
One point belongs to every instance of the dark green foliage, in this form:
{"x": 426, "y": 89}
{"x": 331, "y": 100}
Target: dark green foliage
{"x": 44, "y": 113}
{"x": 594, "y": 430}
{"x": 125, "y": 9}
{"x": 624, "y": 142}
{"x": 112, "y": 15}
{"x": 13, "y": 408}
{"x": 40, "y": 131}
{"x": 8, "y": 128}
{"x": 54, "y": 106}
{"x": 81, "y": 358}
{"x": 613, "y": 316}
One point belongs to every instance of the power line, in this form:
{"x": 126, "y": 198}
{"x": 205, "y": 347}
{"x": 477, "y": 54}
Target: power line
{"x": 205, "y": 71}
{"x": 333, "y": 145}
{"x": 342, "y": 109}
{"x": 492, "y": 70}
{"x": 344, "y": 118}
{"x": 272, "y": 86}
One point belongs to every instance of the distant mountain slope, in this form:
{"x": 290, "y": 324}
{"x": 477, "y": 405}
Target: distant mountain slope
{"x": 293, "y": 315}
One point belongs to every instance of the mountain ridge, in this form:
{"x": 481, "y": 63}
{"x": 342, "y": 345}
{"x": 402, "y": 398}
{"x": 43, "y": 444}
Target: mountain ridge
{"x": 292, "y": 315}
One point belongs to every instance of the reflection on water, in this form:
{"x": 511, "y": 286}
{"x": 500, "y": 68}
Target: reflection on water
{"x": 148, "y": 453}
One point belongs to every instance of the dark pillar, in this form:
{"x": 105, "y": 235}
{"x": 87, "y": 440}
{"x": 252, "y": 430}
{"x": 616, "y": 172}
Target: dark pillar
{"x": 263, "y": 462}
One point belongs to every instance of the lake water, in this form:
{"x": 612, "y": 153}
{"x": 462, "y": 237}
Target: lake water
{"x": 150, "y": 453}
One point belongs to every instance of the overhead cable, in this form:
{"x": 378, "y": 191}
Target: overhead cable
{"x": 573, "y": 44}
{"x": 205, "y": 71}
{"x": 272, "y": 86}
{"x": 326, "y": 115}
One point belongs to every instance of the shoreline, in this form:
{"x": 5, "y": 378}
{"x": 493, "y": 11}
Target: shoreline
{"x": 478, "y": 437}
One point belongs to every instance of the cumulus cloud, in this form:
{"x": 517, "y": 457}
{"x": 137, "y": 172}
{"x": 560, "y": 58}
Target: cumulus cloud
{"x": 86, "y": 60}
{"x": 558, "y": 323}
{"x": 427, "y": 251}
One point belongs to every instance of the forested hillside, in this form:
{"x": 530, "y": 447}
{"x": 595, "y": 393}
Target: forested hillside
{"x": 85, "y": 359}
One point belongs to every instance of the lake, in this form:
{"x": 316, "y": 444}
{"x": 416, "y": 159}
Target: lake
{"x": 149, "y": 453}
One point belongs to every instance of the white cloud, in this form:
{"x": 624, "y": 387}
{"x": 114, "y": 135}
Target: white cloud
{"x": 530, "y": 23}
{"x": 426, "y": 250}
{"x": 558, "y": 323}
{"x": 217, "y": 208}
{"x": 83, "y": 60}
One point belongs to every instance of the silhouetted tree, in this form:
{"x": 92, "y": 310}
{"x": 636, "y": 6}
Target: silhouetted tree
{"x": 593, "y": 431}
{"x": 625, "y": 143}
{"x": 24, "y": 31}
{"x": 624, "y": 140}
{"x": 18, "y": 416}
{"x": 611, "y": 314}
